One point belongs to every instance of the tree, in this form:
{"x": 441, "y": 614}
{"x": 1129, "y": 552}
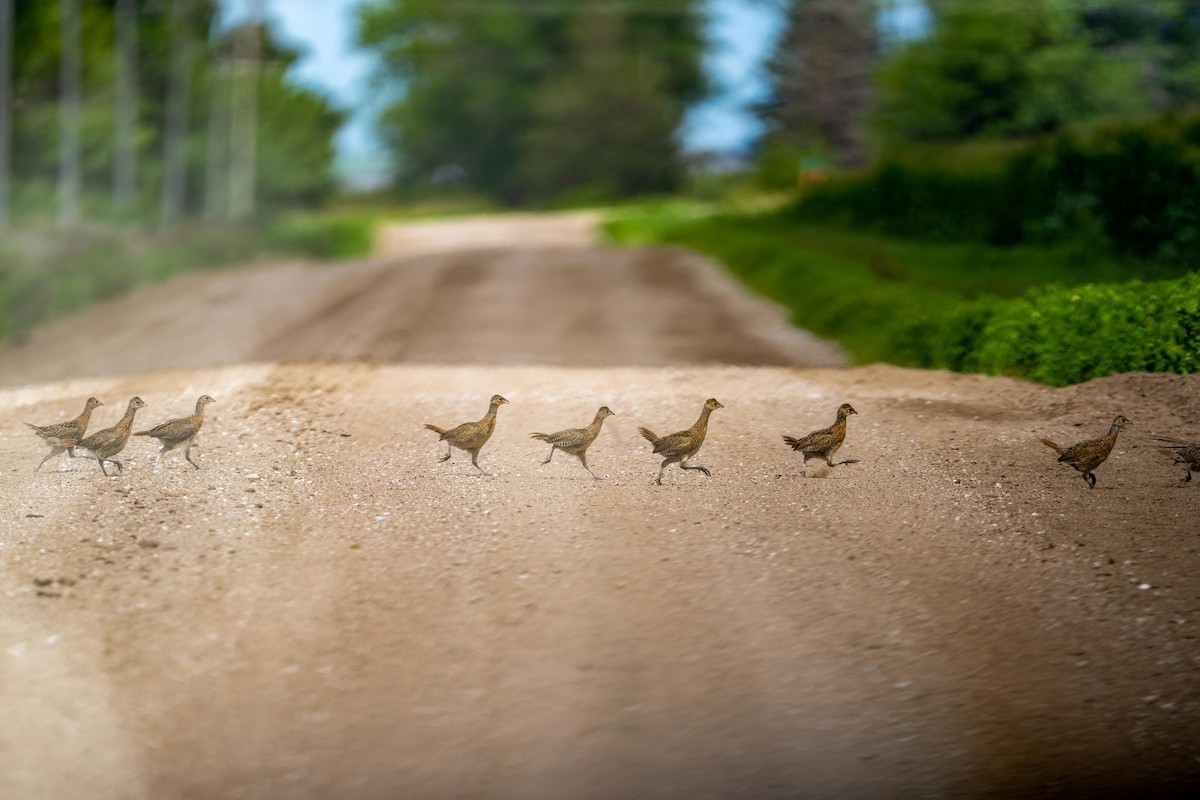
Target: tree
{"x": 822, "y": 78}
{"x": 481, "y": 87}
{"x": 998, "y": 68}
{"x": 125, "y": 162}
{"x": 6, "y": 61}
{"x": 604, "y": 126}
{"x": 179, "y": 100}
{"x": 70, "y": 77}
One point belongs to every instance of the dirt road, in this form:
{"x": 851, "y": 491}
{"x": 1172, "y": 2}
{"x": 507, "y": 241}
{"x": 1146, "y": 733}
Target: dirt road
{"x": 325, "y": 610}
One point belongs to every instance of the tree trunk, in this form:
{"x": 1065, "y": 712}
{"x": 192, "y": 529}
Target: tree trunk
{"x": 244, "y": 125}
{"x": 174, "y": 189}
{"x": 6, "y": 103}
{"x": 125, "y": 168}
{"x": 69, "y": 164}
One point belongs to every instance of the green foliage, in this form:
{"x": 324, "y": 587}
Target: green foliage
{"x": 967, "y": 307}
{"x": 998, "y": 68}
{"x": 296, "y": 125}
{"x": 573, "y": 98}
{"x": 44, "y": 275}
{"x": 1132, "y": 187}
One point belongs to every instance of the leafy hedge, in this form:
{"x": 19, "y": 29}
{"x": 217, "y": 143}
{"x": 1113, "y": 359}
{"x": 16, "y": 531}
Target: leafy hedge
{"x": 1052, "y": 334}
{"x": 1060, "y": 335}
{"x": 1136, "y": 187}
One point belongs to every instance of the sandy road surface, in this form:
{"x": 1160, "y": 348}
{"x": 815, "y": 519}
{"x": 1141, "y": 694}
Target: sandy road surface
{"x": 326, "y": 611}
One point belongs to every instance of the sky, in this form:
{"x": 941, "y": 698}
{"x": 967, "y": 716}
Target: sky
{"x": 742, "y": 33}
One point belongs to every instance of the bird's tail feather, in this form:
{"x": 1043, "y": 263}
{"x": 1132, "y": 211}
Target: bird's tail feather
{"x": 648, "y": 434}
{"x": 1051, "y": 445}
{"x": 435, "y": 428}
{"x": 545, "y": 437}
{"x": 792, "y": 442}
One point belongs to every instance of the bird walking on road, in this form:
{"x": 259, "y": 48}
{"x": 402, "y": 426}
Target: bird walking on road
{"x": 70, "y": 431}
{"x": 183, "y": 431}
{"x": 823, "y": 443}
{"x": 677, "y": 448}
{"x": 1086, "y": 456}
{"x": 470, "y": 436}
{"x": 105, "y": 444}
{"x": 1185, "y": 453}
{"x": 576, "y": 440}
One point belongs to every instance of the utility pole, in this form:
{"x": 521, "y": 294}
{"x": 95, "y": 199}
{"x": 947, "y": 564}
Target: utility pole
{"x": 174, "y": 187}
{"x": 244, "y": 123}
{"x": 6, "y": 104}
{"x": 69, "y": 102}
{"x": 125, "y": 168}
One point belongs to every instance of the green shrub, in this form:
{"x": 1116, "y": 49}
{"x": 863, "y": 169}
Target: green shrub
{"x": 1134, "y": 188}
{"x": 923, "y": 309}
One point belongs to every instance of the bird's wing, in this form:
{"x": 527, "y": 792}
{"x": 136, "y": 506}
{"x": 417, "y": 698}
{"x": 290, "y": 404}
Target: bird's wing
{"x": 675, "y": 444}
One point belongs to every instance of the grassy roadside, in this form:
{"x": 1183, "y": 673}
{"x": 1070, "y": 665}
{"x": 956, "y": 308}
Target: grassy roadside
{"x": 46, "y": 273}
{"x": 1057, "y": 315}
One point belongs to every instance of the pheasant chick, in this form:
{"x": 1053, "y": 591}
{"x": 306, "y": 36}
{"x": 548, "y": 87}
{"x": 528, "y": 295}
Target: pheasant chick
{"x": 576, "y": 440}
{"x": 1086, "y": 456}
{"x": 470, "y": 436}
{"x": 68, "y": 431}
{"x": 105, "y": 444}
{"x": 823, "y": 443}
{"x": 183, "y": 431}
{"x": 677, "y": 448}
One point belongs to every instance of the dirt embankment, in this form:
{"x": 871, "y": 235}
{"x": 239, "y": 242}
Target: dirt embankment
{"x": 326, "y": 610}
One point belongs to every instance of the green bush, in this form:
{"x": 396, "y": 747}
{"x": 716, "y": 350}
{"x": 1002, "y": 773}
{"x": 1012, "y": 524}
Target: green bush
{"x": 916, "y": 304}
{"x": 1134, "y": 188}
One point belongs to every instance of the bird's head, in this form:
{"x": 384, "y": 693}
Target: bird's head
{"x": 712, "y": 404}
{"x": 92, "y": 403}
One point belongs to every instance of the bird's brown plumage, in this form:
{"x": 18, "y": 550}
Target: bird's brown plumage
{"x": 681, "y": 446}
{"x": 1088, "y": 455}
{"x": 105, "y": 444}
{"x": 175, "y": 432}
{"x": 823, "y": 443}
{"x": 575, "y": 441}
{"x": 470, "y": 436}
{"x": 69, "y": 431}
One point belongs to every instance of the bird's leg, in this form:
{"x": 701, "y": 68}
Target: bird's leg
{"x": 845, "y": 461}
{"x": 165, "y": 448}
{"x": 447, "y": 456}
{"x": 120, "y": 466}
{"x": 803, "y": 465}
{"x": 661, "y": 467}
{"x": 553, "y": 447}
{"x": 187, "y": 453}
{"x": 474, "y": 456}
{"x": 1188, "y": 479}
{"x": 1090, "y": 480}
{"x": 102, "y": 469}
{"x": 684, "y": 465}
{"x": 53, "y": 452}
{"x": 583, "y": 458}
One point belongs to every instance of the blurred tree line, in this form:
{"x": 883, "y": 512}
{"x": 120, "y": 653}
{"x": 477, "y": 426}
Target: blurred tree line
{"x": 847, "y": 85}
{"x": 548, "y": 100}
{"x": 152, "y": 109}
{"x": 535, "y": 100}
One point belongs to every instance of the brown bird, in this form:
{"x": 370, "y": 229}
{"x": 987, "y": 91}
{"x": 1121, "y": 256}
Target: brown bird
{"x": 69, "y": 431}
{"x": 470, "y": 436}
{"x": 576, "y": 440}
{"x": 1086, "y": 456}
{"x": 679, "y": 447}
{"x": 105, "y": 444}
{"x": 183, "y": 431}
{"x": 1185, "y": 453}
{"x": 825, "y": 442}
